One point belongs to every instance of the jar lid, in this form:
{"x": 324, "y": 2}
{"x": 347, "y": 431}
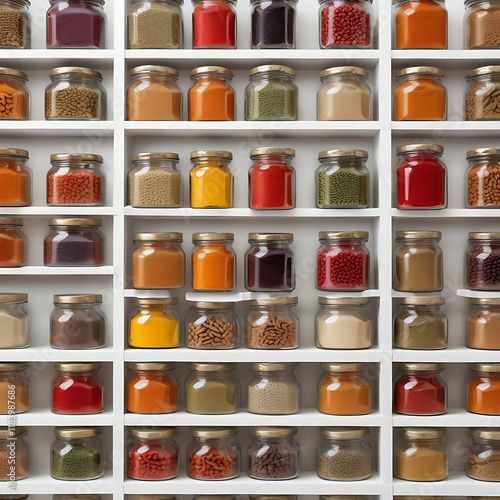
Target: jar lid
{"x": 14, "y": 72}
{"x": 152, "y": 497}
{"x": 482, "y": 152}
{"x": 337, "y": 70}
{"x": 420, "y": 301}
{"x": 270, "y": 237}
{"x": 157, "y": 237}
{"x": 154, "y": 433}
{"x": 211, "y": 152}
{"x": 484, "y": 70}
{"x": 213, "y": 432}
{"x": 77, "y": 367}
{"x": 344, "y": 301}
{"x": 342, "y": 235}
{"x": 272, "y": 67}
{"x": 270, "y": 497}
{"x": 151, "y": 367}
{"x": 6, "y": 432}
{"x": 272, "y": 151}
{"x": 409, "y": 148}
{"x": 76, "y": 222}
{"x": 493, "y": 434}
{"x": 152, "y": 68}
{"x": 343, "y": 367}
{"x": 11, "y": 221}
{"x": 422, "y": 432}
{"x": 13, "y": 297}
{"x": 76, "y": 70}
{"x": 213, "y": 236}
{"x": 420, "y": 367}
{"x": 13, "y": 497}
{"x": 272, "y": 367}
{"x": 211, "y": 367}
{"x": 419, "y": 235}
{"x": 155, "y": 301}
{"x": 13, "y": 367}
{"x": 21, "y": 153}
{"x": 75, "y": 156}
{"x": 342, "y": 497}
{"x": 210, "y": 305}
{"x": 211, "y": 70}
{"x": 485, "y": 367}
{"x": 155, "y": 156}
{"x": 485, "y": 301}
{"x": 77, "y": 432}
{"x": 78, "y": 299}
{"x": 484, "y": 236}
{"x": 343, "y": 153}
{"x": 420, "y": 70}
{"x": 275, "y": 301}
{"x": 273, "y": 432}
{"x": 69, "y": 496}
{"x": 344, "y": 432}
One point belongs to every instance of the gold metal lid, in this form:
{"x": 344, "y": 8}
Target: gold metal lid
{"x": 154, "y": 432}
{"x": 81, "y": 221}
{"x": 493, "y": 433}
{"x": 6, "y": 432}
{"x": 485, "y": 367}
{"x": 13, "y": 497}
{"x": 69, "y": 496}
{"x": 484, "y": 70}
{"x": 343, "y": 367}
{"x": 153, "y": 68}
{"x": 14, "y": 72}
{"x": 211, "y": 367}
{"x": 77, "y": 367}
{"x": 482, "y": 152}
{"x": 214, "y": 497}
{"x": 75, "y": 70}
{"x": 343, "y": 153}
{"x": 155, "y": 301}
{"x": 485, "y": 301}
{"x": 75, "y": 156}
{"x": 275, "y": 301}
{"x": 210, "y": 305}
{"x": 344, "y": 432}
{"x": 213, "y": 432}
{"x": 13, "y": 297}
{"x": 21, "y": 153}
{"x": 273, "y": 432}
{"x": 420, "y": 367}
{"x": 337, "y": 70}
{"x": 272, "y": 67}
{"x": 13, "y": 367}
{"x": 342, "y": 235}
{"x": 420, "y": 70}
{"x": 422, "y": 432}
{"x": 418, "y": 497}
{"x": 77, "y": 432}
{"x": 272, "y": 367}
{"x": 155, "y": 156}
{"x": 151, "y": 367}
{"x": 11, "y": 221}
{"x": 152, "y": 497}
{"x": 213, "y": 236}
{"x": 272, "y": 497}
{"x": 272, "y": 151}
{"x": 202, "y": 153}
{"x": 78, "y": 299}
{"x": 212, "y": 70}
{"x": 420, "y": 301}
{"x": 157, "y": 237}
{"x": 344, "y": 301}
{"x": 484, "y": 236}
{"x": 419, "y": 235}
{"x": 409, "y": 148}
{"x": 270, "y": 236}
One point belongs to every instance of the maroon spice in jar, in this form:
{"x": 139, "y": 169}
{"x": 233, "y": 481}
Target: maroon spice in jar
{"x": 483, "y": 261}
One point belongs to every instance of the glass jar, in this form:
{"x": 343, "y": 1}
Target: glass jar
{"x": 273, "y": 389}
{"x": 76, "y": 24}
{"x": 15, "y": 178}
{"x": 213, "y": 262}
{"x": 483, "y": 184}
{"x": 481, "y": 99}
{"x": 420, "y": 94}
{"x": 75, "y": 179}
{"x": 213, "y": 454}
{"x": 343, "y": 261}
{"x": 153, "y": 94}
{"x": 342, "y": 179}
{"x": 14, "y": 389}
{"x": 481, "y": 22}
{"x": 214, "y": 24}
{"x": 273, "y": 24}
{"x": 483, "y": 390}
{"x": 420, "y": 177}
{"x": 420, "y": 389}
{"x": 154, "y": 181}
{"x": 74, "y": 242}
{"x": 421, "y": 24}
{"x": 344, "y": 389}
{"x": 483, "y": 259}
{"x": 15, "y": 20}
{"x": 158, "y": 261}
{"x": 77, "y": 389}
{"x": 273, "y": 324}
{"x": 483, "y": 452}
{"x": 152, "y": 388}
{"x": 418, "y": 262}
{"x": 270, "y": 263}
{"x": 212, "y": 389}
{"x": 14, "y": 95}
{"x": 343, "y": 323}
{"x": 272, "y": 94}
{"x": 15, "y": 321}
{"x": 13, "y": 444}
{"x": 483, "y": 324}
{"x": 212, "y": 325}
{"x": 421, "y": 455}
{"x": 273, "y": 453}
{"x": 75, "y": 94}
{"x": 271, "y": 178}
{"x": 344, "y": 94}
{"x": 77, "y": 454}
{"x": 13, "y": 242}
{"x": 153, "y": 454}
{"x": 344, "y": 454}
{"x": 155, "y": 24}
{"x": 421, "y": 324}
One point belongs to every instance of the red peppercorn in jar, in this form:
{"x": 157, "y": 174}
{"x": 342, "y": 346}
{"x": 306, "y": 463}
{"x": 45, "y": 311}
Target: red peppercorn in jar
{"x": 214, "y": 24}
{"x": 483, "y": 261}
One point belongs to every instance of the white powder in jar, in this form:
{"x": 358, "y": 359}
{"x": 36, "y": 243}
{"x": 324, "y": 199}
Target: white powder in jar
{"x": 342, "y": 330}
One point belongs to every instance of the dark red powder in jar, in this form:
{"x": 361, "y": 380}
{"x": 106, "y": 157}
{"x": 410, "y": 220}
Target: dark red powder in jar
{"x": 420, "y": 394}
{"x": 152, "y": 462}
{"x": 77, "y": 394}
{"x": 214, "y": 25}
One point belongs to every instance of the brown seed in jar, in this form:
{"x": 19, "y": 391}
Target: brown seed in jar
{"x": 483, "y": 186}
{"x": 212, "y": 334}
{"x": 275, "y": 333}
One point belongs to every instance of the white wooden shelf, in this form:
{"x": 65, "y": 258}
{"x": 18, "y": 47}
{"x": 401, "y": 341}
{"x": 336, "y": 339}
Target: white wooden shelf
{"x": 58, "y": 128}
{"x": 57, "y": 211}
{"x": 39, "y": 417}
{"x": 452, "y": 354}
{"x": 478, "y": 294}
{"x": 456, "y": 213}
{"x": 49, "y": 355}
{"x": 56, "y": 271}
{"x": 445, "y": 59}
{"x": 452, "y": 128}
{"x": 454, "y": 417}
{"x": 51, "y": 58}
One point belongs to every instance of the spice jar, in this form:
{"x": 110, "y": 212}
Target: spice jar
{"x": 74, "y": 242}
{"x": 273, "y": 389}
{"x": 151, "y": 388}
{"x": 154, "y": 181}
{"x": 76, "y": 24}
{"x": 14, "y": 96}
{"x": 75, "y": 94}
{"x": 481, "y": 24}
{"x": 12, "y": 242}
{"x": 154, "y": 324}
{"x": 214, "y": 24}
{"x": 271, "y": 178}
{"x": 421, "y": 324}
{"x": 483, "y": 259}
{"x": 212, "y": 389}
{"x": 14, "y": 446}
{"x": 418, "y": 265}
{"x": 213, "y": 262}
{"x": 344, "y": 94}
{"x": 77, "y": 454}
{"x": 14, "y": 389}
{"x": 158, "y": 260}
{"x": 153, "y": 93}
{"x": 344, "y": 454}
{"x": 421, "y": 455}
{"x": 481, "y": 99}
{"x": 155, "y": 24}
{"x": 273, "y": 453}
{"x": 420, "y": 95}
{"x": 420, "y": 389}
{"x": 273, "y": 24}
{"x": 273, "y": 324}
{"x": 212, "y": 325}
{"x": 77, "y": 389}
{"x": 15, "y": 22}
{"x": 343, "y": 261}
{"x": 483, "y": 390}
{"x": 15, "y": 178}
{"x": 270, "y": 263}
{"x": 342, "y": 179}
{"x": 421, "y": 176}
{"x": 213, "y": 454}
{"x": 483, "y": 454}
{"x": 14, "y": 320}
{"x": 344, "y": 389}
{"x": 153, "y": 454}
{"x": 483, "y": 184}
{"x": 271, "y": 94}
{"x": 483, "y": 324}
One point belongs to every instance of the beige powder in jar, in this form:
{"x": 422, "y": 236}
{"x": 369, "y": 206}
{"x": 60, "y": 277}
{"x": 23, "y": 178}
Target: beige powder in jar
{"x": 483, "y": 324}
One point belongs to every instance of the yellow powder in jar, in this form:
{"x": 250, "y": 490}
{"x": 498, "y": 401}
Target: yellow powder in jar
{"x": 154, "y": 329}
{"x": 421, "y": 463}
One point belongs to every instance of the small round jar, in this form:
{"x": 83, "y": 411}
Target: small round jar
{"x": 420, "y": 177}
{"x": 154, "y": 181}
{"x": 271, "y": 94}
{"x": 420, "y": 454}
{"x": 152, "y": 388}
{"x": 77, "y": 389}
{"x": 14, "y": 388}
{"x": 214, "y": 24}
{"x": 483, "y": 184}
{"x": 15, "y": 20}
{"x": 483, "y": 324}
{"x": 15, "y": 96}
{"x": 273, "y": 24}
{"x": 483, "y": 261}
{"x": 15, "y": 178}
{"x": 420, "y": 324}
{"x": 344, "y": 454}
{"x": 342, "y": 179}
{"x": 344, "y": 389}
{"x": 344, "y": 94}
{"x": 483, "y": 454}
{"x": 481, "y": 23}
{"x": 343, "y": 261}
{"x": 418, "y": 262}
{"x": 270, "y": 263}
{"x": 273, "y": 389}
{"x": 153, "y": 454}
{"x": 273, "y": 454}
{"x": 483, "y": 389}
{"x": 13, "y": 242}
{"x": 15, "y": 321}
{"x": 158, "y": 261}
{"x": 212, "y": 325}
{"x": 74, "y": 242}
{"x": 75, "y": 94}
{"x": 420, "y": 389}
{"x": 481, "y": 99}
{"x": 273, "y": 324}
{"x": 13, "y": 442}
{"x": 77, "y": 454}
{"x": 271, "y": 178}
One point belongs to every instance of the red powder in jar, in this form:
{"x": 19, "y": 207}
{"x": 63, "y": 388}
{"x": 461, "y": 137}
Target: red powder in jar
{"x": 78, "y": 396}
{"x": 339, "y": 268}
{"x": 271, "y": 185}
{"x": 214, "y": 25}
{"x": 420, "y": 395}
{"x": 151, "y": 461}
{"x": 343, "y": 24}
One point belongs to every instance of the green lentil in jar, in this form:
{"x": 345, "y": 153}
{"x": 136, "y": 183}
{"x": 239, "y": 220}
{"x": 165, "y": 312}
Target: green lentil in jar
{"x": 79, "y": 462}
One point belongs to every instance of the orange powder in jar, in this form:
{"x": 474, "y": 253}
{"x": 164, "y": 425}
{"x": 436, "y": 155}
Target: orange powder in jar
{"x": 15, "y": 181}
{"x": 13, "y": 103}
{"x": 12, "y": 243}
{"x": 483, "y": 391}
